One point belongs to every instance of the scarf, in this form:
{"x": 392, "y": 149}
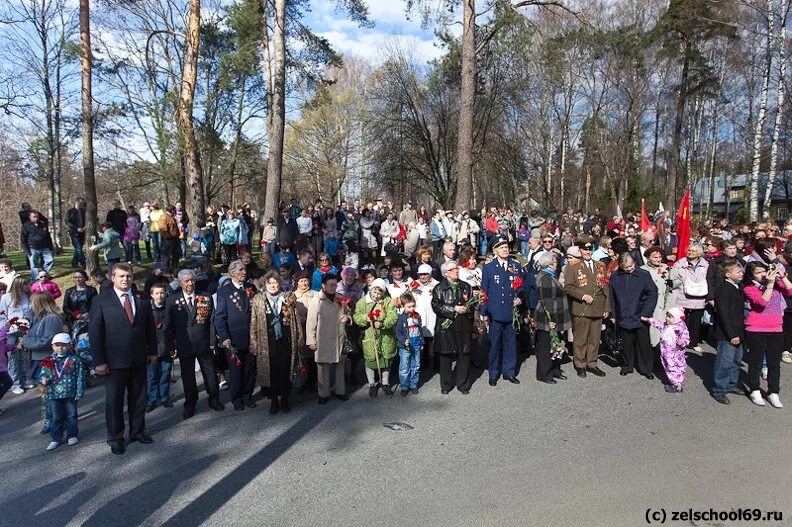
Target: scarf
{"x": 276, "y": 304}
{"x": 325, "y": 268}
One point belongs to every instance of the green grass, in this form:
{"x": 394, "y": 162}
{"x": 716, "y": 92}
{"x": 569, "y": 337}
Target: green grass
{"x": 62, "y": 270}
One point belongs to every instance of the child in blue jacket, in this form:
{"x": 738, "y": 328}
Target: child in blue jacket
{"x": 410, "y": 342}
{"x": 63, "y": 378}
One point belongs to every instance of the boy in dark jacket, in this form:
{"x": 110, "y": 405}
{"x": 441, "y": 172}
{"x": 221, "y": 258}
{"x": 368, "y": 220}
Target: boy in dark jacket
{"x": 410, "y": 342}
{"x": 159, "y": 373}
{"x": 729, "y": 332}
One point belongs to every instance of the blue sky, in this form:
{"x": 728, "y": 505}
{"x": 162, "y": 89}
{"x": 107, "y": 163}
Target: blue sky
{"x": 391, "y": 26}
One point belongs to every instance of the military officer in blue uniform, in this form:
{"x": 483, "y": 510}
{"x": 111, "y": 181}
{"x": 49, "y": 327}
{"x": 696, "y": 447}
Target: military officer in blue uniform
{"x": 496, "y": 281}
{"x": 232, "y": 327}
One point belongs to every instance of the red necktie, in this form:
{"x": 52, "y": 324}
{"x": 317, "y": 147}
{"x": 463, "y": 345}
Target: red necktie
{"x": 128, "y": 308}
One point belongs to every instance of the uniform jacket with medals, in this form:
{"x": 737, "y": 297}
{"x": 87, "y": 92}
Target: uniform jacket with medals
{"x": 497, "y": 282}
{"x": 580, "y": 281}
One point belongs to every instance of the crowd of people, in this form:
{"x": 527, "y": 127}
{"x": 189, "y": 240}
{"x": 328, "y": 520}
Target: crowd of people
{"x": 396, "y": 292}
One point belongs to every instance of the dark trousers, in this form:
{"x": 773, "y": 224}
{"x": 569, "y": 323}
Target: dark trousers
{"x": 787, "y": 330}
{"x": 637, "y": 350}
{"x": 693, "y": 323}
{"x": 64, "y": 415}
{"x": 230, "y": 253}
{"x": 546, "y": 368}
{"x": 242, "y": 377}
{"x": 188, "y": 378}
{"x": 5, "y": 382}
{"x": 761, "y": 345}
{"x": 129, "y": 383}
{"x": 502, "y": 339}
{"x": 171, "y": 252}
{"x": 156, "y": 242}
{"x": 459, "y": 375}
{"x": 280, "y": 368}
{"x": 78, "y": 241}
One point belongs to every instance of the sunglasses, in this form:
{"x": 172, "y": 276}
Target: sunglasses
{"x": 547, "y": 241}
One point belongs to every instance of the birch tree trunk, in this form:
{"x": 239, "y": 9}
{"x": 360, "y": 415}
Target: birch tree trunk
{"x": 771, "y": 175}
{"x": 753, "y": 200}
{"x": 192, "y": 162}
{"x": 89, "y": 182}
{"x": 277, "y": 114}
{"x": 467, "y": 93}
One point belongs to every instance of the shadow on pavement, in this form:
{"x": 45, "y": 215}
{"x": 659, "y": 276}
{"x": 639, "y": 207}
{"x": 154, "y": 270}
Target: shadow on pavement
{"x": 215, "y": 497}
{"x": 135, "y": 506}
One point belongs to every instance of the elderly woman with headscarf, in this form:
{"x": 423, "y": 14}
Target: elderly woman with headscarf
{"x": 689, "y": 276}
{"x": 552, "y": 315}
{"x": 375, "y": 312}
{"x": 453, "y": 328}
{"x": 274, "y": 337}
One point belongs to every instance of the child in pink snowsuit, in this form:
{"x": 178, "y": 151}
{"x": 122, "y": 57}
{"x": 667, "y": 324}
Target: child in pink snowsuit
{"x": 674, "y": 339}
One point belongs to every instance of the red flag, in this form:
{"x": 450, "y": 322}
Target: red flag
{"x": 683, "y": 225}
{"x": 645, "y": 223}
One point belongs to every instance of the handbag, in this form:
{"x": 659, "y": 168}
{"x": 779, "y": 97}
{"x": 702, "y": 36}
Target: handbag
{"x": 695, "y": 288}
{"x": 299, "y": 373}
{"x": 612, "y": 349}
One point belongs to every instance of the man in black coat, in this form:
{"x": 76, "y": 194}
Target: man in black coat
{"x": 75, "y": 222}
{"x": 117, "y": 216}
{"x": 123, "y": 341}
{"x": 37, "y": 244}
{"x": 188, "y": 329}
{"x": 232, "y": 326}
{"x": 287, "y": 230}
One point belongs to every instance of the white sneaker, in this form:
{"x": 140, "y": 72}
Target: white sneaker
{"x": 764, "y": 373}
{"x": 786, "y": 357}
{"x": 774, "y": 400}
{"x": 17, "y": 390}
{"x": 756, "y": 398}
{"x": 224, "y": 385}
{"x": 53, "y": 445}
{"x": 73, "y": 441}
{"x": 698, "y": 349}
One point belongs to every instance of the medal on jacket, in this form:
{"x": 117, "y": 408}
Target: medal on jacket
{"x": 59, "y": 371}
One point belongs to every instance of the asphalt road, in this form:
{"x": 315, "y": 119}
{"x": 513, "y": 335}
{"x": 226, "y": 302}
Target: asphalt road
{"x": 589, "y": 452}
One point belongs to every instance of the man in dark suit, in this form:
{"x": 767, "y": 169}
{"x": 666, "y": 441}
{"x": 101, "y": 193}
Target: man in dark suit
{"x": 498, "y": 282}
{"x": 287, "y": 230}
{"x": 303, "y": 263}
{"x": 232, "y": 325}
{"x": 123, "y": 341}
{"x": 188, "y": 329}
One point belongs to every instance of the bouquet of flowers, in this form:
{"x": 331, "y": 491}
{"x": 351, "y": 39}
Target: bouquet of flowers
{"x": 233, "y": 356}
{"x": 18, "y": 327}
{"x": 516, "y": 285}
{"x": 557, "y": 346}
{"x": 479, "y": 297}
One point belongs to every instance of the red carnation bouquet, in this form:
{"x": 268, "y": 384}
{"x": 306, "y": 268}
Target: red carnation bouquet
{"x": 18, "y": 327}
{"x": 233, "y": 356}
{"x": 516, "y": 285}
{"x": 478, "y": 297}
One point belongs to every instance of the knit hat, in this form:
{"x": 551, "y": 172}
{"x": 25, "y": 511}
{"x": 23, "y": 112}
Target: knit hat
{"x": 380, "y": 284}
{"x": 349, "y": 271}
{"x": 677, "y": 314}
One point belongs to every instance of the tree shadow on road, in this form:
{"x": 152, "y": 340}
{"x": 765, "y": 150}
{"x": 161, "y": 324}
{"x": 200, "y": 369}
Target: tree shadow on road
{"x": 30, "y": 504}
{"x": 136, "y": 505}
{"x": 215, "y": 497}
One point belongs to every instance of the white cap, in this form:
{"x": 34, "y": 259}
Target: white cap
{"x": 61, "y": 338}
{"x": 379, "y": 283}
{"x": 424, "y": 269}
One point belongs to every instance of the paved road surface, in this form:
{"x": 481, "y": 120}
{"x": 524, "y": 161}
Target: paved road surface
{"x": 588, "y": 452}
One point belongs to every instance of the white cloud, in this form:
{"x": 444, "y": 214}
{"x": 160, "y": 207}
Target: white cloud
{"x": 376, "y": 46}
